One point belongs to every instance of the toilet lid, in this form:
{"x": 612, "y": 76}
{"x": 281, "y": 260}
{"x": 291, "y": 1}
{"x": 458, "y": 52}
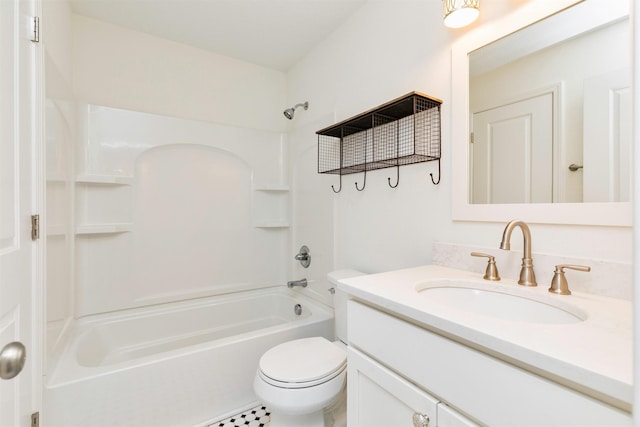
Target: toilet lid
{"x": 303, "y": 360}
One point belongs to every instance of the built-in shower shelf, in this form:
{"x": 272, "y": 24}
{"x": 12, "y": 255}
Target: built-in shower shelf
{"x": 89, "y": 229}
{"x": 271, "y": 224}
{"x": 270, "y": 205}
{"x": 271, "y": 187}
{"x": 104, "y": 179}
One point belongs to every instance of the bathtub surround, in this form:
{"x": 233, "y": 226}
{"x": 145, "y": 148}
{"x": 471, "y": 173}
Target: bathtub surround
{"x": 186, "y": 230}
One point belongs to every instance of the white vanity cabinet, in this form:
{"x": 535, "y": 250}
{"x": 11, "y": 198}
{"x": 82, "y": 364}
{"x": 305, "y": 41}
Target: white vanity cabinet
{"x": 380, "y": 398}
{"x": 397, "y": 368}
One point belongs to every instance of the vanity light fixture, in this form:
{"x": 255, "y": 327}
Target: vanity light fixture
{"x": 460, "y": 13}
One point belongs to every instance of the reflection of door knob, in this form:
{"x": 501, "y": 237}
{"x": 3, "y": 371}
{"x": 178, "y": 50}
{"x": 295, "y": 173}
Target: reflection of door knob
{"x": 12, "y": 358}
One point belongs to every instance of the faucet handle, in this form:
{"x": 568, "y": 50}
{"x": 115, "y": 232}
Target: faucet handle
{"x": 491, "y": 272}
{"x": 559, "y": 284}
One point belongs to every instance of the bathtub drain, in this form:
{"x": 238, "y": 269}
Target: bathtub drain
{"x": 297, "y": 309}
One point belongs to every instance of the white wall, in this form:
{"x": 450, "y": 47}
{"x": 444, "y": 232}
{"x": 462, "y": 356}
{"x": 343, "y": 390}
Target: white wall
{"x": 117, "y": 67}
{"x": 387, "y": 49}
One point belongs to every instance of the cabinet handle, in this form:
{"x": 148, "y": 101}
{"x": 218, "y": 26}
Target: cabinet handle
{"x": 420, "y": 420}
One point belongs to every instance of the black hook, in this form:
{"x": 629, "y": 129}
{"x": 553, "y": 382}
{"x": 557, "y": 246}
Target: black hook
{"x": 340, "y": 188}
{"x": 364, "y": 183}
{"x": 439, "y": 176}
{"x": 397, "y": 163}
{"x": 397, "y": 177}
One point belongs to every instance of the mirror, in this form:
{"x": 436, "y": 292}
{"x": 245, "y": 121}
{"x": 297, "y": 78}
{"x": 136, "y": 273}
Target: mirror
{"x": 542, "y": 124}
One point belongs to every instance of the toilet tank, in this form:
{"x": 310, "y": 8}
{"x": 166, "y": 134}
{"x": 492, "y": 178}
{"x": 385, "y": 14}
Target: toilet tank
{"x": 340, "y": 301}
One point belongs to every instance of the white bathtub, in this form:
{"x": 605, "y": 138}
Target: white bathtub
{"x": 178, "y": 364}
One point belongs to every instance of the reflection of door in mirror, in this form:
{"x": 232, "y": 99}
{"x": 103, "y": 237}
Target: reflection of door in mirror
{"x": 512, "y": 152}
{"x": 552, "y": 46}
{"x": 581, "y": 66}
{"x": 607, "y": 137}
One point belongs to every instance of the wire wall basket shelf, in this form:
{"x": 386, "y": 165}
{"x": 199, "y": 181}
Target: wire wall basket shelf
{"x": 400, "y": 132}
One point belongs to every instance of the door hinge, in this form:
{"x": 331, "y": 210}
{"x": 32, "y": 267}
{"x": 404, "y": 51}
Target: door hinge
{"x": 471, "y": 138}
{"x": 35, "y": 419}
{"x": 35, "y": 227}
{"x": 36, "y": 29}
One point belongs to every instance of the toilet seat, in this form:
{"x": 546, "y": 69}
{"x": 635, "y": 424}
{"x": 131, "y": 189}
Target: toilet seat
{"x": 302, "y": 363}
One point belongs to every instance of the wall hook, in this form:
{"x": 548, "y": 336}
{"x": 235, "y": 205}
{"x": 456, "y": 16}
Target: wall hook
{"x": 364, "y": 183}
{"x": 339, "y": 188}
{"x": 397, "y": 177}
{"x": 397, "y": 162}
{"x": 432, "y": 180}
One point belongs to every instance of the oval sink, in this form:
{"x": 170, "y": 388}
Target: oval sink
{"x": 500, "y": 304}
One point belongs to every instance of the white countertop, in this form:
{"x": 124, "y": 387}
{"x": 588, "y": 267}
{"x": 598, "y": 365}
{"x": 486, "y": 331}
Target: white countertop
{"x": 594, "y": 356}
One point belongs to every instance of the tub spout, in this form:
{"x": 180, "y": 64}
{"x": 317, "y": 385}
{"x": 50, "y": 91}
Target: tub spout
{"x": 301, "y": 282}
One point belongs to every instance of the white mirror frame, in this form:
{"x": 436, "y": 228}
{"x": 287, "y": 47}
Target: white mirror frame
{"x": 596, "y": 13}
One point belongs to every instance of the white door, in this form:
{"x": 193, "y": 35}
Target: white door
{"x": 512, "y": 152}
{"x": 607, "y": 140}
{"x": 18, "y": 130}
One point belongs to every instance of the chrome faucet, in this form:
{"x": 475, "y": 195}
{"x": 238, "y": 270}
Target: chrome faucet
{"x": 527, "y": 276}
{"x": 301, "y": 282}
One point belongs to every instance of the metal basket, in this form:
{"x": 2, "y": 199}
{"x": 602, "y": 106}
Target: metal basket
{"x": 401, "y": 132}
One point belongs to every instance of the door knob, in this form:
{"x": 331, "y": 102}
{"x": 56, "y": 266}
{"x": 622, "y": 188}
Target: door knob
{"x": 12, "y": 359}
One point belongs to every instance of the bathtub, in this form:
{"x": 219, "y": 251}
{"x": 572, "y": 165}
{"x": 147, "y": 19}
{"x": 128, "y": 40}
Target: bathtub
{"x": 177, "y": 364}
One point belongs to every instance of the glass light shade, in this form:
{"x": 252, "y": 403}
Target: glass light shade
{"x": 459, "y": 13}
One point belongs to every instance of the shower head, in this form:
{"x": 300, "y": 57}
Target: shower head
{"x": 288, "y": 113}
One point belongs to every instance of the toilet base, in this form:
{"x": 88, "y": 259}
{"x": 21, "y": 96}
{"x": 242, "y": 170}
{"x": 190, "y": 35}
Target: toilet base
{"x": 333, "y": 416}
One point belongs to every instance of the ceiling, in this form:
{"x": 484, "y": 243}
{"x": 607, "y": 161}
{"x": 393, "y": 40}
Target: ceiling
{"x": 272, "y": 33}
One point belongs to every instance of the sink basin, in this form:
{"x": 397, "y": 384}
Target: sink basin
{"x": 500, "y": 303}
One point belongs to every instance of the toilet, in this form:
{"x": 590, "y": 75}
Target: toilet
{"x": 303, "y": 382}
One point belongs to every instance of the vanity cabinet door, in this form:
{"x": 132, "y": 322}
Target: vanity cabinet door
{"x": 377, "y": 397}
{"x": 447, "y": 417}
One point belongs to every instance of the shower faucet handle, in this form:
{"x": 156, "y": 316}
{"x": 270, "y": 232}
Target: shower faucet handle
{"x": 491, "y": 273}
{"x": 304, "y": 256}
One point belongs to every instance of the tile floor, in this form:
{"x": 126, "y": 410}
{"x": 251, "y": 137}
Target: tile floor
{"x": 254, "y": 417}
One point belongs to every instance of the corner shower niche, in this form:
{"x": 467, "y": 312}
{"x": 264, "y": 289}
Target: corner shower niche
{"x": 103, "y": 204}
{"x": 167, "y": 209}
{"x": 271, "y": 206}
